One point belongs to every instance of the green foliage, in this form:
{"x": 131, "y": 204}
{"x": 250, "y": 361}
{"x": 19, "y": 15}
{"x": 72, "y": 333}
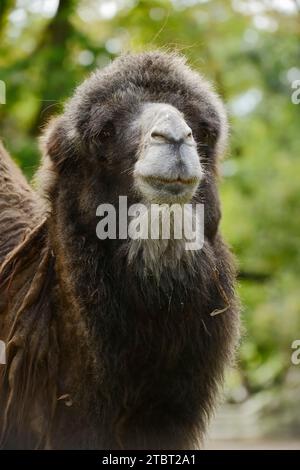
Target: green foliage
{"x": 252, "y": 56}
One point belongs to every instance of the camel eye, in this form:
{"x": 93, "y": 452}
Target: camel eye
{"x": 100, "y": 142}
{"x": 205, "y": 134}
{"x": 107, "y": 132}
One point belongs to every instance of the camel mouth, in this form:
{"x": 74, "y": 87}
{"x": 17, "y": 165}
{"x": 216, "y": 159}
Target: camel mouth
{"x": 159, "y": 189}
{"x": 170, "y": 181}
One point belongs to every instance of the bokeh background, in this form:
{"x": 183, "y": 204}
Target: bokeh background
{"x": 251, "y": 51}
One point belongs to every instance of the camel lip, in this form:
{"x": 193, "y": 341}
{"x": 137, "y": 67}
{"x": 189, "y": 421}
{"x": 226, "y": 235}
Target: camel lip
{"x": 166, "y": 181}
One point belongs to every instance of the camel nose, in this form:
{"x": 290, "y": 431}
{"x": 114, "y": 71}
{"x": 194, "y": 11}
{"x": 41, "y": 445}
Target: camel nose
{"x": 171, "y": 128}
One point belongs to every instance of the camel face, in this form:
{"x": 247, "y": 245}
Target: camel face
{"x": 168, "y": 169}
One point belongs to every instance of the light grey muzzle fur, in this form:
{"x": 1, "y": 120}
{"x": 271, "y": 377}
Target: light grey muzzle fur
{"x": 168, "y": 169}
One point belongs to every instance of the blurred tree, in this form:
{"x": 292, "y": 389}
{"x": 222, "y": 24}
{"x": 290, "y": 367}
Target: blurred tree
{"x": 49, "y": 56}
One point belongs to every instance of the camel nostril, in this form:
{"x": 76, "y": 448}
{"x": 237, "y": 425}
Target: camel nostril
{"x": 170, "y": 128}
{"x": 172, "y": 139}
{"x": 158, "y": 135}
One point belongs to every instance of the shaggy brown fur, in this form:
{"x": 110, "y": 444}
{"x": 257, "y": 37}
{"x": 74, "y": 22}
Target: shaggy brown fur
{"x": 101, "y": 355}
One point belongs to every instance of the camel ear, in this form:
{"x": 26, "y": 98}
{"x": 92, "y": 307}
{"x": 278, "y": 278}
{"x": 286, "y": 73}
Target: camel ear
{"x": 57, "y": 143}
